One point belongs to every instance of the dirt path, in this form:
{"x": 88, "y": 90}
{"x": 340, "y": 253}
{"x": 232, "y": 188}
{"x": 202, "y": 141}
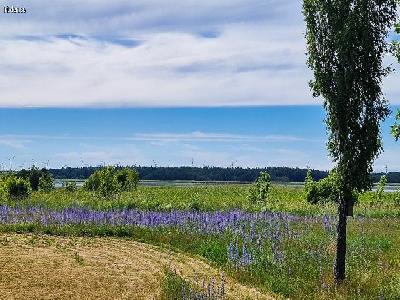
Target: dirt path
{"x": 48, "y": 267}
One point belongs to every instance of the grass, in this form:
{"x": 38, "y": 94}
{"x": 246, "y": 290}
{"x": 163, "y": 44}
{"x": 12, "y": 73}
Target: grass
{"x": 37, "y": 266}
{"x": 208, "y": 198}
{"x": 174, "y": 287}
{"x": 295, "y": 262}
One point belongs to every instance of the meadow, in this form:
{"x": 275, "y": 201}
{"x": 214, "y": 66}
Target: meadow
{"x": 284, "y": 246}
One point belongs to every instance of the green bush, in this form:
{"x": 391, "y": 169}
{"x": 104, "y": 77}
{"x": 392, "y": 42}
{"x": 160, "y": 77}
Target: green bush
{"x": 110, "y": 182}
{"x": 127, "y": 179}
{"x": 39, "y": 179}
{"x": 15, "y": 188}
{"x": 324, "y": 190}
{"x": 70, "y": 186}
{"x": 46, "y": 183}
{"x": 260, "y": 189}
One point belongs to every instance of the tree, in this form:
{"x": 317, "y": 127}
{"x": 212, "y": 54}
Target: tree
{"x": 346, "y": 42}
{"x": 381, "y": 188}
{"x": 109, "y": 181}
{"x": 260, "y": 189}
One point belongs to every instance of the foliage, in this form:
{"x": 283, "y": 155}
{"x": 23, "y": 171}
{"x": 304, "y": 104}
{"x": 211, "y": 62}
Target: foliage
{"x": 381, "y": 187}
{"x": 46, "y": 182}
{"x": 70, "y": 186}
{"x": 278, "y": 174}
{"x": 39, "y": 179}
{"x": 324, "y": 190}
{"x": 395, "y": 128}
{"x": 104, "y": 182}
{"x": 14, "y": 187}
{"x": 109, "y": 181}
{"x": 259, "y": 191}
{"x": 348, "y": 74}
{"x": 127, "y": 179}
{"x": 346, "y": 43}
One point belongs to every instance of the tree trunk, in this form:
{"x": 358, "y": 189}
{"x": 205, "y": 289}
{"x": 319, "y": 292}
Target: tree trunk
{"x": 340, "y": 263}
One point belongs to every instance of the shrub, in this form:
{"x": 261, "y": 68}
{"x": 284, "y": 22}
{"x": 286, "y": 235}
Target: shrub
{"x": 46, "y": 182}
{"x": 70, "y": 186}
{"x": 324, "y": 190}
{"x": 15, "y": 188}
{"x": 260, "y": 189}
{"x": 109, "y": 182}
{"x": 38, "y": 179}
{"x": 381, "y": 187}
{"x": 127, "y": 179}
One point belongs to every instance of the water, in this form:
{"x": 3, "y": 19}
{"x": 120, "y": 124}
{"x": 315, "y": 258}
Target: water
{"x": 392, "y": 187}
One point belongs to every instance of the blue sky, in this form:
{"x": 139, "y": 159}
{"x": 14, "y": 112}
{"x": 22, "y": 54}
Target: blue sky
{"x": 245, "y": 136}
{"x": 150, "y": 81}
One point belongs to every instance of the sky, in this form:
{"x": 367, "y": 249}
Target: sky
{"x": 162, "y": 82}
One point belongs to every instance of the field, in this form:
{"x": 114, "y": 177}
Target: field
{"x": 283, "y": 247}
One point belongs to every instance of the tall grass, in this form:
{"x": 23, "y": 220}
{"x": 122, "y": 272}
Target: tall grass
{"x": 207, "y": 198}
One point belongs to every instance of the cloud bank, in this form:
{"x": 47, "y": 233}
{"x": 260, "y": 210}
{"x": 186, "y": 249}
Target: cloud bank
{"x": 156, "y": 53}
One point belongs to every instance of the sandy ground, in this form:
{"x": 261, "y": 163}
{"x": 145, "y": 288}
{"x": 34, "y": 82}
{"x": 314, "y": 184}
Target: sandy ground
{"x": 48, "y": 267}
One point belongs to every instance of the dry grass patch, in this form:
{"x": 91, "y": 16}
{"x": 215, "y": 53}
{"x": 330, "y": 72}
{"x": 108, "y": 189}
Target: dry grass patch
{"x": 48, "y": 267}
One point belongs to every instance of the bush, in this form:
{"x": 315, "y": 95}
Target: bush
{"x": 109, "y": 182}
{"x": 260, "y": 189}
{"x": 324, "y": 190}
{"x": 38, "y": 179}
{"x": 70, "y": 186}
{"x": 15, "y": 188}
{"x": 46, "y": 183}
{"x": 127, "y": 179}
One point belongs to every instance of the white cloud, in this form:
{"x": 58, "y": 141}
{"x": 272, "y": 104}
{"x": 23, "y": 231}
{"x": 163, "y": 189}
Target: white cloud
{"x": 72, "y": 53}
{"x": 199, "y": 136}
{"x": 13, "y": 143}
{"x": 255, "y": 55}
{"x": 244, "y": 66}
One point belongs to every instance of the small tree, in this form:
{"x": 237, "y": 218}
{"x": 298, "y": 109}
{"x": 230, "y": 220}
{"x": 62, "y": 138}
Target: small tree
{"x": 109, "y": 182}
{"x": 346, "y": 42}
{"x": 381, "y": 187}
{"x": 260, "y": 189}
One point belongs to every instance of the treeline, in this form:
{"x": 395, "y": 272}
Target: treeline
{"x": 282, "y": 174}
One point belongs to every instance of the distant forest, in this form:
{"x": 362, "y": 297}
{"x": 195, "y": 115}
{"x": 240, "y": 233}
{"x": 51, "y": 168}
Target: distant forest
{"x": 282, "y": 174}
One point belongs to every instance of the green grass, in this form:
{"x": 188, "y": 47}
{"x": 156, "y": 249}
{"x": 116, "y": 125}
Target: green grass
{"x": 208, "y": 198}
{"x": 174, "y": 287}
{"x": 373, "y": 261}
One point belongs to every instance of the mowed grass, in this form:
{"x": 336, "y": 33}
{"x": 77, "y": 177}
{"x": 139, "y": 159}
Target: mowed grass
{"x": 49, "y": 267}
